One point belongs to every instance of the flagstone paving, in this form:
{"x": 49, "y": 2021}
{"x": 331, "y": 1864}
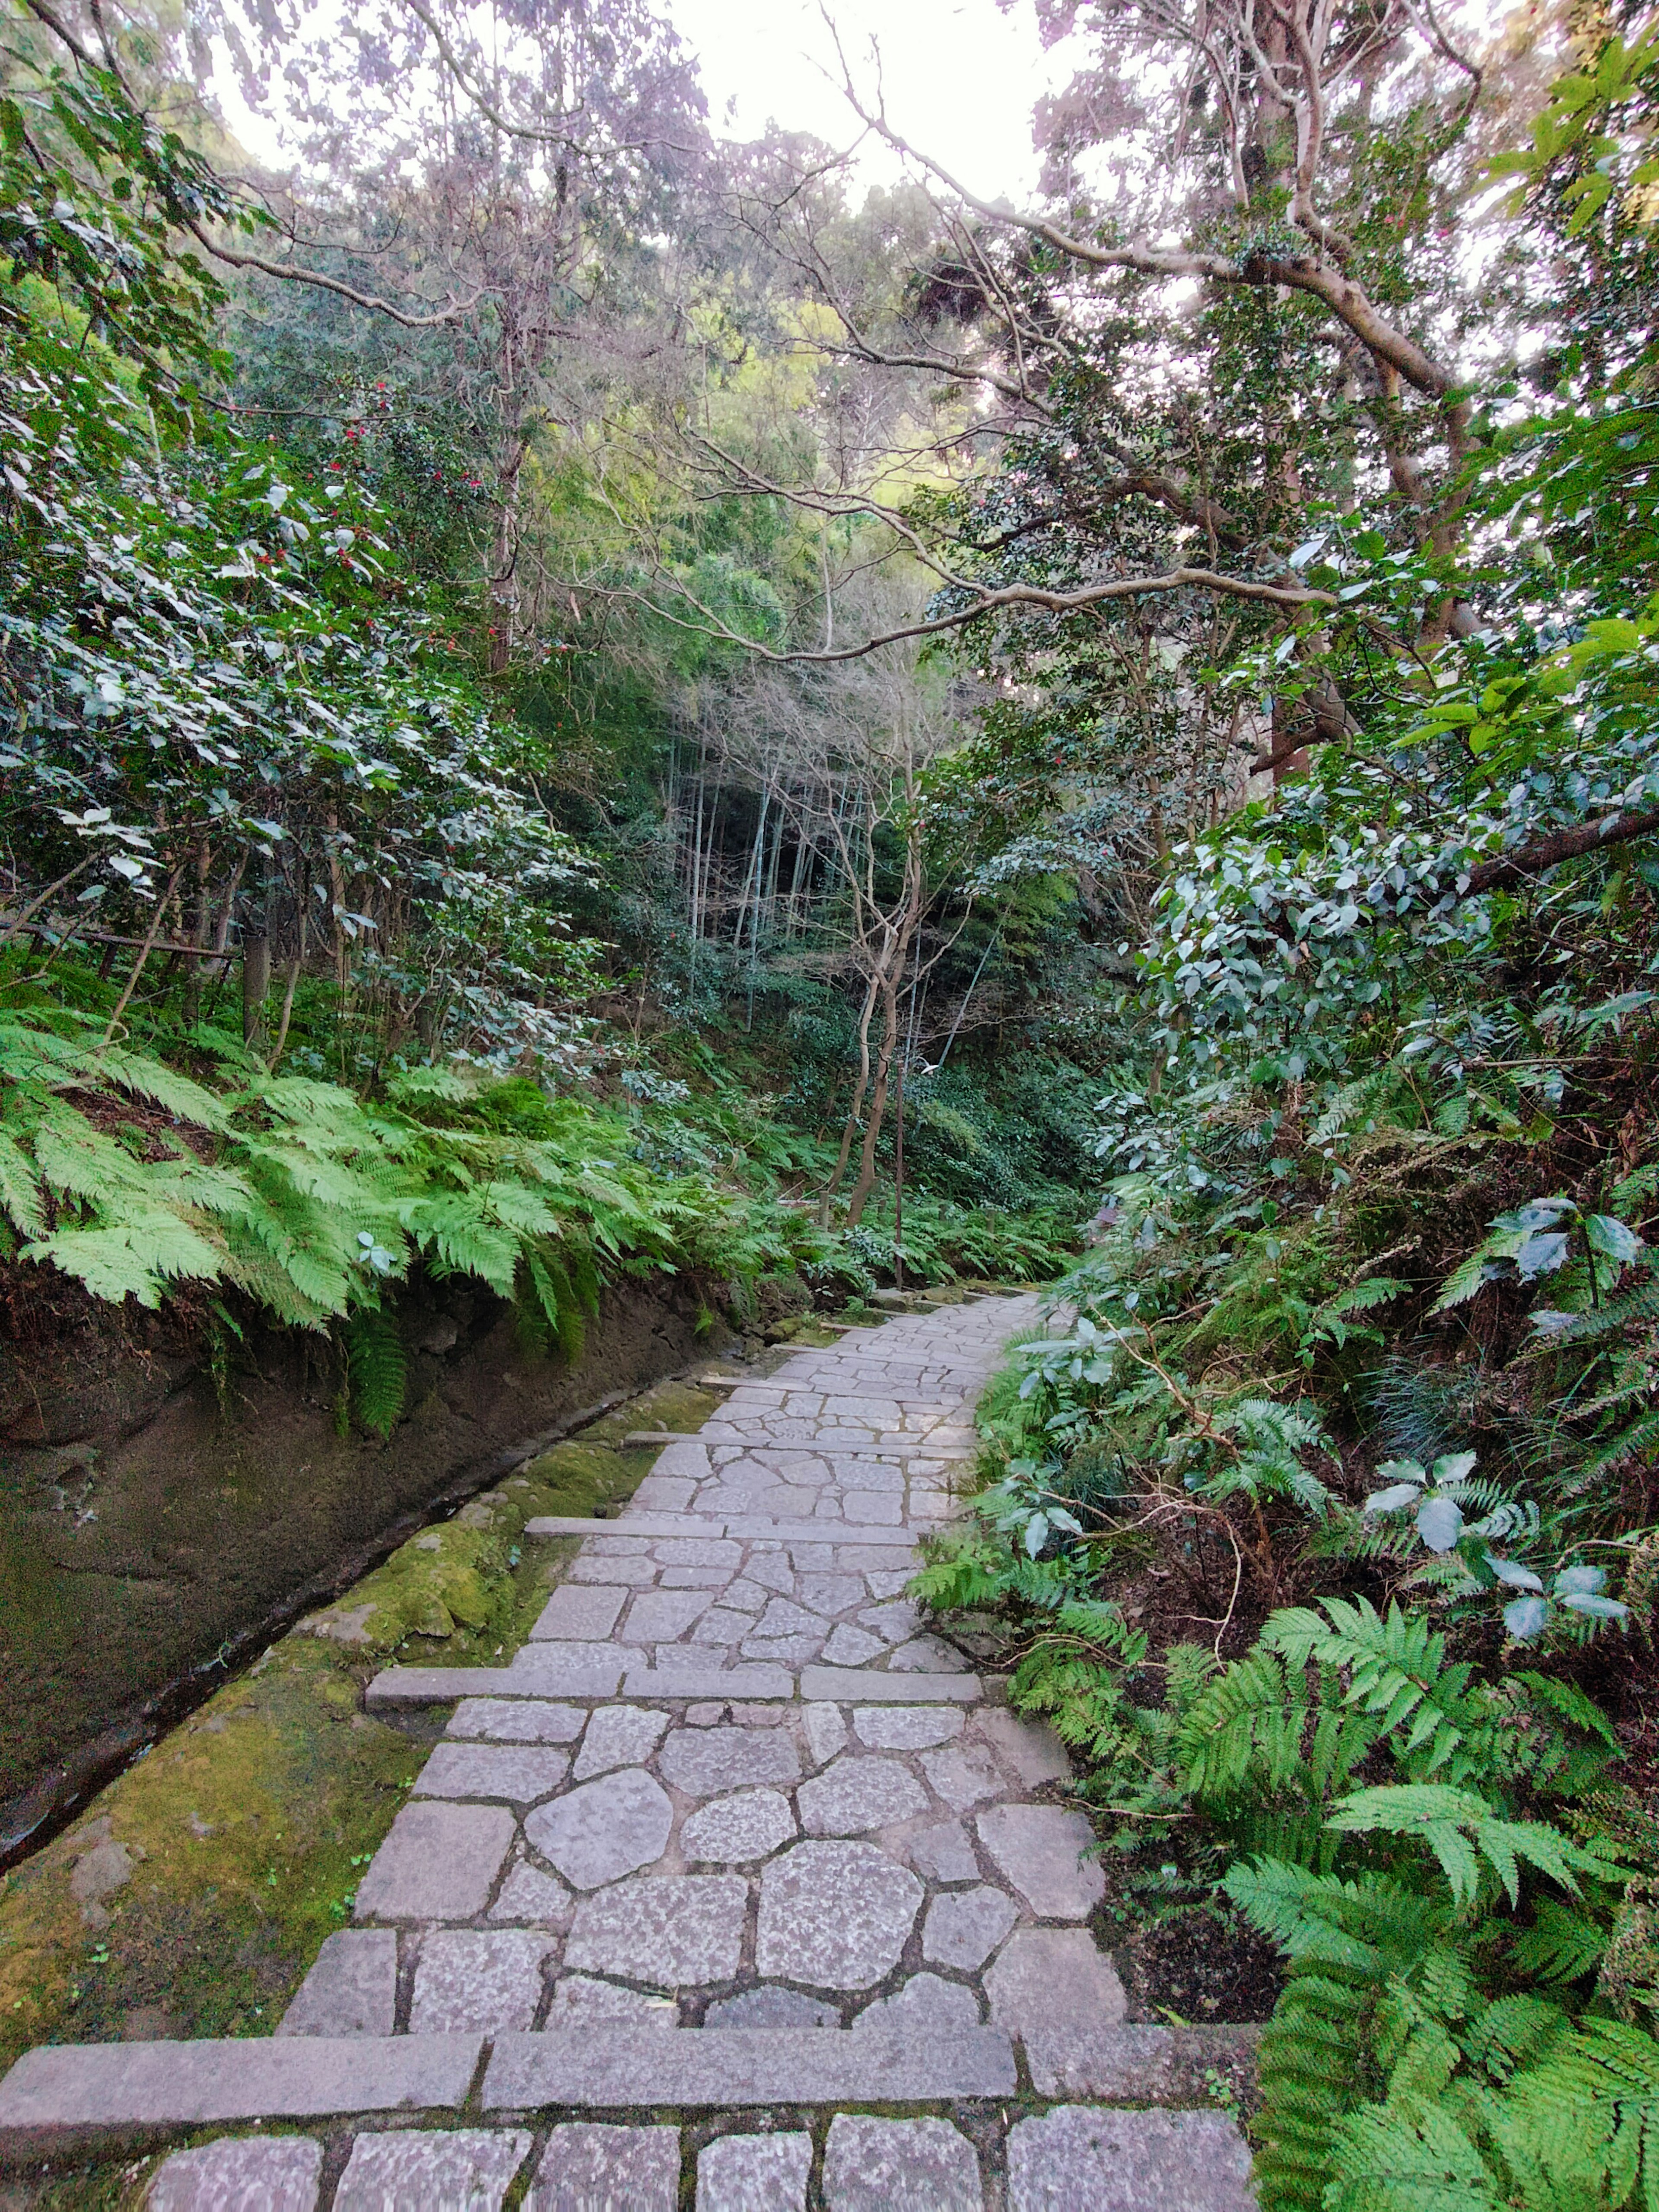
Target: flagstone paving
{"x": 737, "y": 1839}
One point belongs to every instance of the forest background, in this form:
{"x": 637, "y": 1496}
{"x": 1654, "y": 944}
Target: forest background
{"x": 557, "y": 670}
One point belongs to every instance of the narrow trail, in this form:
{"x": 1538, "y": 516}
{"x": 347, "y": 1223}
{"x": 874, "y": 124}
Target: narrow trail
{"x": 734, "y": 1889}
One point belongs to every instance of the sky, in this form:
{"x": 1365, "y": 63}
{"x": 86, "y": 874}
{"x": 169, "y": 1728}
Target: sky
{"x": 961, "y": 77}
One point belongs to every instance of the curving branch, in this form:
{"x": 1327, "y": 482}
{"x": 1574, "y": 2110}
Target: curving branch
{"x": 315, "y": 277}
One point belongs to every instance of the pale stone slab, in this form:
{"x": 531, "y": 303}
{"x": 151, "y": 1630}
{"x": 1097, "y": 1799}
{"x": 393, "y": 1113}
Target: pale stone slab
{"x": 771, "y": 2006}
{"x": 943, "y": 1852}
{"x": 704, "y": 1552}
{"x": 963, "y": 1927}
{"x": 487, "y": 1978}
{"x": 619, "y": 1735}
{"x": 567, "y": 1670}
{"x": 963, "y": 1776}
{"x": 896, "y": 1622}
{"x": 675, "y": 1931}
{"x": 633, "y": 1573}
{"x": 1040, "y": 1848}
{"x": 438, "y": 1862}
{"x": 530, "y": 1894}
{"x": 855, "y": 1686}
{"x": 847, "y": 1646}
{"x": 1050, "y": 1977}
{"x": 733, "y": 1831}
{"x": 595, "y": 2169}
{"x": 672, "y": 1493}
{"x": 1141, "y": 2065}
{"x": 630, "y": 1524}
{"x": 611, "y": 2068}
{"x": 927, "y": 1655}
{"x": 114, "y": 2085}
{"x": 352, "y": 1988}
{"x": 581, "y": 1612}
{"x": 437, "y": 1685}
{"x": 826, "y": 1732}
{"x": 900, "y": 2166}
{"x": 580, "y": 1999}
{"x": 786, "y": 1651}
{"x": 604, "y": 1829}
{"x": 830, "y": 1594}
{"x": 685, "y": 1672}
{"x": 1125, "y": 2161}
{"x": 244, "y": 2173}
{"x": 755, "y": 2174}
{"x": 925, "y": 2004}
{"x": 913, "y": 1727}
{"x": 414, "y": 2170}
{"x": 520, "y": 1773}
{"x": 857, "y": 1795}
{"x": 661, "y": 1616}
{"x": 708, "y": 1762}
{"x": 510, "y": 1720}
{"x": 1030, "y": 1748}
{"x": 834, "y": 1916}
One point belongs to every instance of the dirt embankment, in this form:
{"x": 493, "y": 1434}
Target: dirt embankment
{"x": 153, "y": 1515}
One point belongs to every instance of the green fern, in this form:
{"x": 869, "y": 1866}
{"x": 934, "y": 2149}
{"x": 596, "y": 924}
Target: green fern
{"x": 377, "y": 1371}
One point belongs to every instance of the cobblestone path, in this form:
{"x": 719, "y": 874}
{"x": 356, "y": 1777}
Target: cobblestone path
{"x": 736, "y": 1889}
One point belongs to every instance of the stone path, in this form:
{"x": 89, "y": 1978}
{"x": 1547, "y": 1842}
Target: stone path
{"x": 734, "y": 1850}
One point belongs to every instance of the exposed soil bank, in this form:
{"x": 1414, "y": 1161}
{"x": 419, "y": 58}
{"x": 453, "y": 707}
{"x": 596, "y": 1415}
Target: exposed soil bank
{"x": 145, "y": 1527}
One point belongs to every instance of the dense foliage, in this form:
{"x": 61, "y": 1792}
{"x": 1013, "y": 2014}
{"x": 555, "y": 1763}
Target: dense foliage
{"x": 547, "y": 733}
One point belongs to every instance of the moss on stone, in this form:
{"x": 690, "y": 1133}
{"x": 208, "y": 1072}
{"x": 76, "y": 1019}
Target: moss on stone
{"x": 230, "y": 1850}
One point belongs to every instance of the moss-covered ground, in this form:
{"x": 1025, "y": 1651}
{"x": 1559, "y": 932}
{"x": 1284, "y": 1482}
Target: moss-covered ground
{"x": 192, "y": 1896}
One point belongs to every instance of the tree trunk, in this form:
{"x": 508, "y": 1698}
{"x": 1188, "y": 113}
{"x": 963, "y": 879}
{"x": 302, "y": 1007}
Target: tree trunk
{"x": 866, "y": 1181}
{"x": 256, "y": 984}
{"x": 859, "y": 1089}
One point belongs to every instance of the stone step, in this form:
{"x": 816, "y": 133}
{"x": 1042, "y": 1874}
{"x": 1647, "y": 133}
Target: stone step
{"x": 619, "y": 2067}
{"x": 1065, "y": 2159}
{"x": 61, "y": 2086}
{"x": 855, "y": 1686}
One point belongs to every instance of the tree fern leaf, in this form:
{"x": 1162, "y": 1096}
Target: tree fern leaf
{"x": 377, "y": 1370}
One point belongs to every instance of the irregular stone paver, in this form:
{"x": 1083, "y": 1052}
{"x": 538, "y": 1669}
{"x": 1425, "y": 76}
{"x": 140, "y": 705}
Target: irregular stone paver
{"x": 902, "y": 2166}
{"x": 856, "y": 1794}
{"x": 579, "y": 2000}
{"x": 352, "y": 1987}
{"x": 604, "y": 1829}
{"x": 962, "y": 1928}
{"x": 478, "y": 1978}
{"x": 943, "y": 1852}
{"x": 834, "y": 1916}
{"x": 618, "y": 1735}
{"x": 513, "y": 1720}
{"x": 439, "y": 1863}
{"x": 278, "y": 2173}
{"x": 906, "y": 1728}
{"x": 963, "y": 1776}
{"x": 1122, "y": 2162}
{"x": 1044, "y": 1976}
{"x": 772, "y": 2006}
{"x": 530, "y": 1894}
{"x": 675, "y": 1930}
{"x": 413, "y": 2170}
{"x": 708, "y": 1762}
{"x": 594, "y": 2169}
{"x": 661, "y": 1616}
{"x": 732, "y": 1831}
{"x": 755, "y": 2174}
{"x": 1040, "y": 1848}
{"x": 521, "y": 1773}
{"x": 586, "y": 1613}
{"x": 1029, "y": 1748}
{"x": 925, "y": 2005}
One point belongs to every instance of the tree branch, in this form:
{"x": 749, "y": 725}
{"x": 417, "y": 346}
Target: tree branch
{"x": 1544, "y": 852}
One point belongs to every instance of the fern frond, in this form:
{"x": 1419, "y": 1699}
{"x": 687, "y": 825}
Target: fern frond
{"x": 377, "y": 1370}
